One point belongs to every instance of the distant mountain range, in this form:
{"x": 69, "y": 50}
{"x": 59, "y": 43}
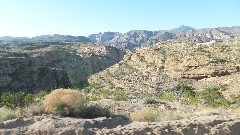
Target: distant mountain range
{"x": 50, "y": 38}
{"x": 140, "y": 38}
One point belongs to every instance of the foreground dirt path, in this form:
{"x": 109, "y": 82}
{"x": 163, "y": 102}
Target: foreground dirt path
{"x": 215, "y": 124}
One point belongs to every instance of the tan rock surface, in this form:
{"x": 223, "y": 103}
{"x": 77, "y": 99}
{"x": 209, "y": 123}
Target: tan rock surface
{"x": 215, "y": 124}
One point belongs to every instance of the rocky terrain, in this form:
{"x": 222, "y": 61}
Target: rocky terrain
{"x": 215, "y": 124}
{"x": 184, "y": 84}
{"x": 30, "y": 68}
{"x": 141, "y": 38}
{"x": 158, "y": 69}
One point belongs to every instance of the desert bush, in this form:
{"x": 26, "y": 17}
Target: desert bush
{"x": 91, "y": 87}
{"x": 7, "y": 114}
{"x": 146, "y": 95}
{"x": 14, "y": 100}
{"x": 120, "y": 95}
{"x": 34, "y": 109}
{"x": 168, "y": 96}
{"x": 235, "y": 100}
{"x": 92, "y": 97}
{"x": 189, "y": 95}
{"x": 94, "y": 112}
{"x": 145, "y": 114}
{"x": 213, "y": 98}
{"x": 105, "y": 93}
{"x": 65, "y": 102}
{"x": 40, "y": 95}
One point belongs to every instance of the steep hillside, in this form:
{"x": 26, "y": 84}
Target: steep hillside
{"x": 34, "y": 66}
{"x": 160, "y": 68}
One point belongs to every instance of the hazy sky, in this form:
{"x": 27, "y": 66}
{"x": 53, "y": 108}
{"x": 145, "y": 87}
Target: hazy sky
{"x": 84, "y": 17}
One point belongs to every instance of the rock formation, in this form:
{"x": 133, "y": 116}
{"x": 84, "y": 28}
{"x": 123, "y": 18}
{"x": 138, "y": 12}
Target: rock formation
{"x": 158, "y": 69}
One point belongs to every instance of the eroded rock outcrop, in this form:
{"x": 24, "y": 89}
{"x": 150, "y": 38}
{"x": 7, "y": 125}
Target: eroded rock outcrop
{"x": 157, "y": 69}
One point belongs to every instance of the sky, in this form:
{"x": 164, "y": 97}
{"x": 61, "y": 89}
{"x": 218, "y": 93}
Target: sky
{"x": 84, "y": 17}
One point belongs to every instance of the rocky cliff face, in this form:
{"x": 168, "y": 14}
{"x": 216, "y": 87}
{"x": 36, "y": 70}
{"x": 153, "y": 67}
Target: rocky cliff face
{"x": 30, "y": 69}
{"x": 140, "y": 38}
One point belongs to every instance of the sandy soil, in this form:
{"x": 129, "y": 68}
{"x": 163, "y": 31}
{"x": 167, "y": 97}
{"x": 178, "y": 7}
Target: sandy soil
{"x": 215, "y": 124}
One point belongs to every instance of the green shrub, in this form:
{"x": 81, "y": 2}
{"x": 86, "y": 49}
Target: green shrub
{"x": 168, "y": 96}
{"x": 94, "y": 112}
{"x": 61, "y": 108}
{"x": 7, "y": 114}
{"x": 92, "y": 97}
{"x": 120, "y": 95}
{"x": 105, "y": 93}
{"x": 91, "y": 87}
{"x": 235, "y": 99}
{"x": 189, "y": 96}
{"x": 40, "y": 95}
{"x": 146, "y": 95}
{"x": 213, "y": 98}
{"x": 14, "y": 100}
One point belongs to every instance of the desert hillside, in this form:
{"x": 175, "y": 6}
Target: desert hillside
{"x": 83, "y": 88}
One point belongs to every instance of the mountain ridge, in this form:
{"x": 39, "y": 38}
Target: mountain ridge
{"x": 134, "y": 39}
{"x": 140, "y": 38}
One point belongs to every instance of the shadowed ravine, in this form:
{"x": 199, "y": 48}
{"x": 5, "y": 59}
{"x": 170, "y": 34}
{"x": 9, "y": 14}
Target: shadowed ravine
{"x": 53, "y": 66}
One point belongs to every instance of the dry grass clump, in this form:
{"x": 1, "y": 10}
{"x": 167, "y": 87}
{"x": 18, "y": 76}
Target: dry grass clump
{"x": 152, "y": 114}
{"x": 146, "y": 114}
{"x": 64, "y": 102}
{"x": 34, "y": 109}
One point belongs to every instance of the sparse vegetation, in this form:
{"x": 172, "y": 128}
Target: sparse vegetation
{"x": 92, "y": 97}
{"x": 15, "y": 100}
{"x": 105, "y": 93}
{"x": 120, "y": 95}
{"x": 145, "y": 114}
{"x": 34, "y": 109}
{"x": 168, "y": 96}
{"x": 169, "y": 115}
{"x": 213, "y": 98}
{"x": 7, "y": 114}
{"x": 94, "y": 111}
{"x": 235, "y": 100}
